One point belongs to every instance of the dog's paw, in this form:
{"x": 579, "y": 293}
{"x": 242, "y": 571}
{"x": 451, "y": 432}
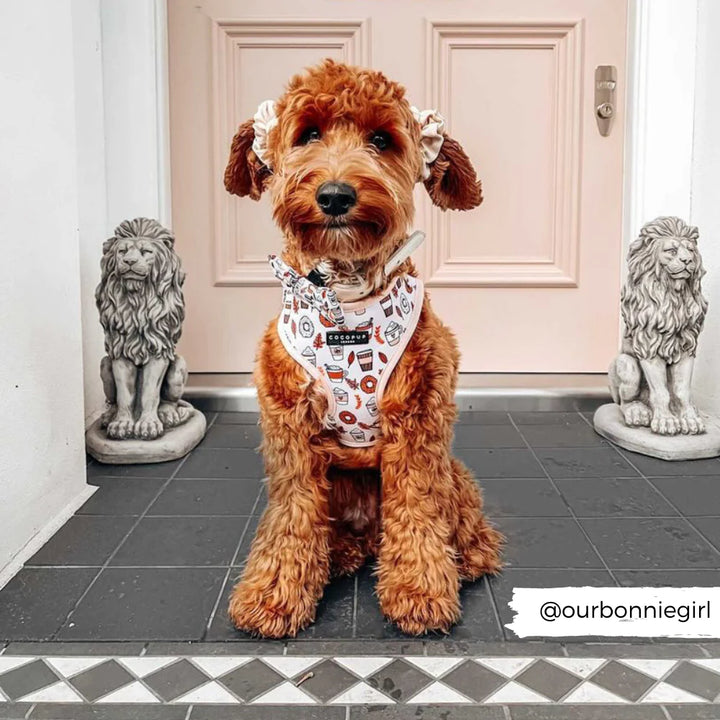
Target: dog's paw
{"x": 416, "y": 613}
{"x": 148, "y": 427}
{"x": 258, "y": 613}
{"x": 481, "y": 557}
{"x": 120, "y": 427}
{"x": 690, "y": 422}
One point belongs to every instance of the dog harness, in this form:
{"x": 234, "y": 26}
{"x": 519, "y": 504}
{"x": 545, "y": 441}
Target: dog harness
{"x": 351, "y": 348}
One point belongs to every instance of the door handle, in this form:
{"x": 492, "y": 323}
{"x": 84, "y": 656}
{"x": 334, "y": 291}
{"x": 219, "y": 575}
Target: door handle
{"x": 605, "y": 86}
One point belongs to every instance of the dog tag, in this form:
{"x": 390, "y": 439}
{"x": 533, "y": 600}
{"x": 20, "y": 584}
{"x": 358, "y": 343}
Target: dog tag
{"x": 347, "y": 337}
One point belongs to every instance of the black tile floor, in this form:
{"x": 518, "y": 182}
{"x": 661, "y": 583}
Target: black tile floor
{"x": 146, "y": 565}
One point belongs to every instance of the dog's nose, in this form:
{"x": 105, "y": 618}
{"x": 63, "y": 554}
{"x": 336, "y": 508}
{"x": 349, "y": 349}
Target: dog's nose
{"x": 335, "y": 198}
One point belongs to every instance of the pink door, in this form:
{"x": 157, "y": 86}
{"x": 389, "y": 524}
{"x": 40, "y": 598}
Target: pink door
{"x": 529, "y": 281}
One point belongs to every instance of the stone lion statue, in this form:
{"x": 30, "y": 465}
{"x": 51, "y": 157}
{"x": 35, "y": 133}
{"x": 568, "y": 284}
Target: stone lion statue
{"x": 663, "y": 311}
{"x": 141, "y": 307}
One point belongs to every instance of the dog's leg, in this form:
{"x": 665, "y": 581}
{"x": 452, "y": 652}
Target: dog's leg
{"x": 477, "y": 542}
{"x": 354, "y": 511}
{"x": 289, "y": 561}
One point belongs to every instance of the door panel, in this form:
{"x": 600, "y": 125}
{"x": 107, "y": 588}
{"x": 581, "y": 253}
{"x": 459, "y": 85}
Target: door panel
{"x": 529, "y": 281}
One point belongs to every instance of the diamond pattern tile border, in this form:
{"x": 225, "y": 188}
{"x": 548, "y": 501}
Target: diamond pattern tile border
{"x": 342, "y": 680}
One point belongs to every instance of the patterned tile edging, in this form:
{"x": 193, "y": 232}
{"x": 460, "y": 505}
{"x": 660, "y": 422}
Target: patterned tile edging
{"x": 356, "y": 680}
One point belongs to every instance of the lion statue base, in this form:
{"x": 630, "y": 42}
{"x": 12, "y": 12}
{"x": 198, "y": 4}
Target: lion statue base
{"x": 663, "y": 311}
{"x": 141, "y": 308}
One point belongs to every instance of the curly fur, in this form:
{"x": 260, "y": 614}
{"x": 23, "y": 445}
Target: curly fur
{"x": 404, "y": 500}
{"x": 663, "y": 316}
{"x": 142, "y": 319}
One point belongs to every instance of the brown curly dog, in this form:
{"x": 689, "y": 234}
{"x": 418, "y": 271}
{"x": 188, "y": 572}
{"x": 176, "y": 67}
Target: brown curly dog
{"x": 404, "y": 499}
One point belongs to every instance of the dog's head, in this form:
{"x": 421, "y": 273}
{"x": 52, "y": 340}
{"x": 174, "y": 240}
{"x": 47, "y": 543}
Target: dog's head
{"x": 341, "y": 153}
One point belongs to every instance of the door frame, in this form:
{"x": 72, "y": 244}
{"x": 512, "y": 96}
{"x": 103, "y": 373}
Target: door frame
{"x": 659, "y": 97}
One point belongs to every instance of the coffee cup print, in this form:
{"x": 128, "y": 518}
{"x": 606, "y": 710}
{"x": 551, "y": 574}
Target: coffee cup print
{"x": 393, "y": 333}
{"x": 371, "y": 406}
{"x": 386, "y": 305}
{"x": 335, "y": 373}
{"x": 357, "y": 435}
{"x": 337, "y": 352}
{"x": 361, "y": 311}
{"x": 367, "y": 326}
{"x": 365, "y": 358}
{"x": 404, "y": 304}
{"x": 341, "y": 396}
{"x": 309, "y": 355}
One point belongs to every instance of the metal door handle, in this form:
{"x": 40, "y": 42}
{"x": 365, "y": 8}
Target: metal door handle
{"x": 605, "y": 85}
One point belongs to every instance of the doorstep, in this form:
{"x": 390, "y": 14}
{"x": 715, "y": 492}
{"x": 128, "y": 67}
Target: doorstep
{"x": 505, "y": 392}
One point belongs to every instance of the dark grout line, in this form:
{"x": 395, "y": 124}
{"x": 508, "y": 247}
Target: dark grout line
{"x": 232, "y": 561}
{"x": 570, "y": 509}
{"x": 114, "y": 552}
{"x": 493, "y": 603}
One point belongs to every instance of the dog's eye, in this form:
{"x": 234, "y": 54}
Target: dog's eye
{"x": 381, "y": 140}
{"x": 308, "y": 135}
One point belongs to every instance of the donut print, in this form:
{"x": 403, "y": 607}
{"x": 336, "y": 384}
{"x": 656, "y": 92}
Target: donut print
{"x": 347, "y": 417}
{"x": 306, "y": 326}
{"x": 368, "y": 384}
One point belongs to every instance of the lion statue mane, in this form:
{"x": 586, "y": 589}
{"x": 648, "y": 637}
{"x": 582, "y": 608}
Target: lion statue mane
{"x": 663, "y": 310}
{"x": 141, "y": 306}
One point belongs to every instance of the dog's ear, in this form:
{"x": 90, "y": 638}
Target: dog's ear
{"x": 245, "y": 174}
{"x": 453, "y": 183}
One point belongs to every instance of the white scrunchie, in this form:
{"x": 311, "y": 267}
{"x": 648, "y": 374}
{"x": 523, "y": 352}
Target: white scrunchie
{"x": 264, "y": 121}
{"x": 432, "y": 124}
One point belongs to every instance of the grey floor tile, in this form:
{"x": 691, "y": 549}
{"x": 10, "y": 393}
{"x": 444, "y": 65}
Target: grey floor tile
{"x": 667, "y": 578}
{"x": 237, "y": 418}
{"x": 503, "y": 585}
{"x": 548, "y": 680}
{"x": 399, "y": 680}
{"x": 26, "y": 679}
{"x": 244, "y": 549}
{"x": 335, "y": 612}
{"x": 193, "y": 496}
{"x": 547, "y": 418}
{"x": 328, "y": 681}
{"x": 561, "y": 435}
{"x": 136, "y": 711}
{"x": 266, "y": 712}
{"x": 121, "y": 496}
{"x": 610, "y": 497}
{"x": 428, "y": 712}
{"x": 251, "y": 680}
{"x": 473, "y": 680}
{"x": 75, "y": 649}
{"x": 168, "y": 541}
{"x": 647, "y": 543}
{"x": 487, "y": 436}
{"x": 101, "y": 680}
{"x": 546, "y": 542}
{"x": 653, "y": 467}
{"x": 151, "y": 470}
{"x": 83, "y": 540}
{"x": 15, "y": 711}
{"x": 695, "y": 679}
{"x": 478, "y": 619}
{"x": 587, "y": 712}
{"x": 231, "y": 435}
{"x": 223, "y": 463}
{"x": 35, "y": 603}
{"x": 481, "y": 417}
{"x": 601, "y": 462}
{"x": 503, "y": 463}
{"x": 624, "y": 681}
{"x": 696, "y": 495}
{"x": 146, "y": 604}
{"x": 522, "y": 497}
{"x": 692, "y": 712}
{"x": 174, "y": 680}
{"x": 709, "y": 526}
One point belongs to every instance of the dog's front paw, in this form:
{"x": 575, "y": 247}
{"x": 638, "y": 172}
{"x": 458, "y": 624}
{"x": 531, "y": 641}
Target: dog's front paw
{"x": 664, "y": 423}
{"x": 416, "y": 612}
{"x": 690, "y": 422}
{"x": 148, "y": 427}
{"x": 261, "y": 613}
{"x": 120, "y": 427}
{"x": 637, "y": 414}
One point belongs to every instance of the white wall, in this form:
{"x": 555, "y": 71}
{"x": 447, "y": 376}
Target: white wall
{"x": 42, "y": 461}
{"x": 705, "y": 196}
